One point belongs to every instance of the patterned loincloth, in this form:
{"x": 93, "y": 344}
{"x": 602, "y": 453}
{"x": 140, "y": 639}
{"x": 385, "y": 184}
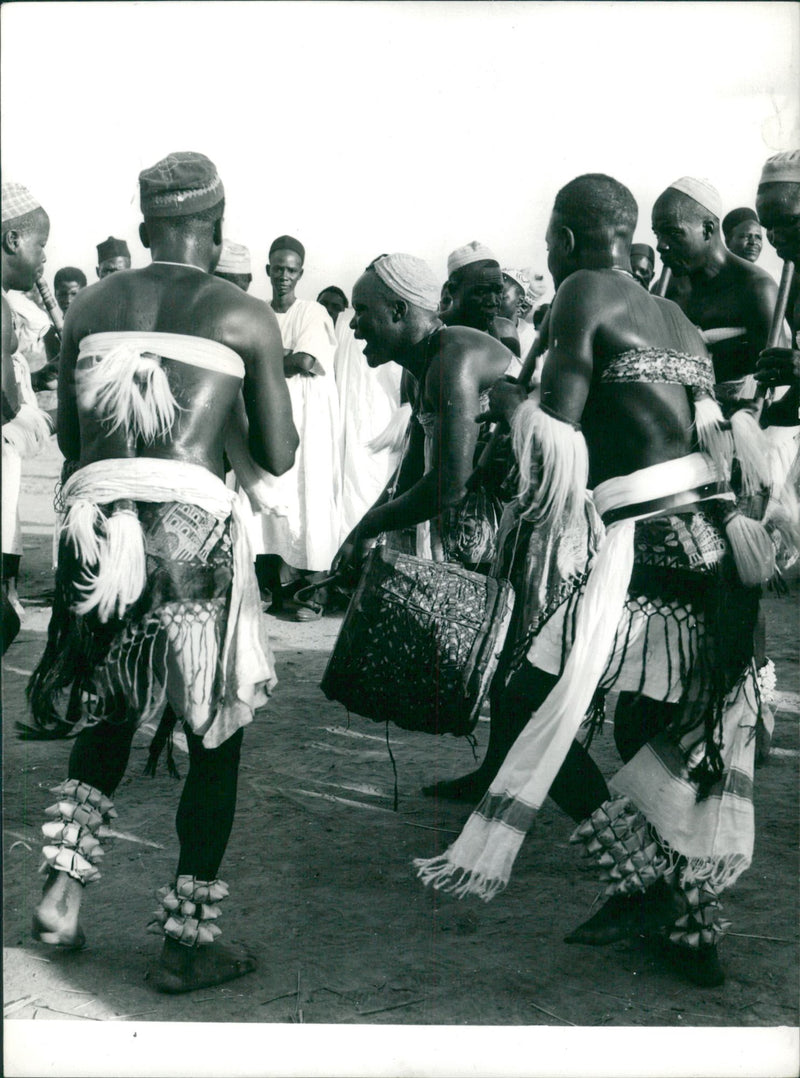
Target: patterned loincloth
{"x": 685, "y": 636}
{"x": 165, "y": 649}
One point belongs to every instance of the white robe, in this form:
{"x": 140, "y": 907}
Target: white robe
{"x": 30, "y": 326}
{"x": 303, "y": 523}
{"x": 369, "y": 400}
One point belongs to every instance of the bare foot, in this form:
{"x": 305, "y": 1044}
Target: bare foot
{"x": 469, "y": 788}
{"x": 55, "y": 920}
{"x": 183, "y": 969}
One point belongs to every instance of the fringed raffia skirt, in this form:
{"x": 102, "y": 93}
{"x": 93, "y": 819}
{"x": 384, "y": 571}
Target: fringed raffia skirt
{"x": 165, "y": 650}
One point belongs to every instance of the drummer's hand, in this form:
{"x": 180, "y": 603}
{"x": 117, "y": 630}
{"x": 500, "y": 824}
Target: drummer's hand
{"x": 351, "y": 555}
{"x": 778, "y": 367}
{"x": 505, "y": 397}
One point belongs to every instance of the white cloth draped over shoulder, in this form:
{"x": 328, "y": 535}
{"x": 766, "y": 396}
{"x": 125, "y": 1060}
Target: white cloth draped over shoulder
{"x": 369, "y": 412}
{"x": 300, "y": 519}
{"x": 28, "y": 432}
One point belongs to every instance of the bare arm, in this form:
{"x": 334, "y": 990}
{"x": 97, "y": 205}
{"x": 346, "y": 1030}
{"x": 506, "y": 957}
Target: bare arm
{"x": 453, "y": 381}
{"x": 272, "y": 438}
{"x": 567, "y": 372}
{"x": 300, "y": 363}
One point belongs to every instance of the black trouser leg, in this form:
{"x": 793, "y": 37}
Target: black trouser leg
{"x": 637, "y": 720}
{"x": 11, "y": 622}
{"x": 579, "y": 787}
{"x": 100, "y": 755}
{"x": 207, "y": 806}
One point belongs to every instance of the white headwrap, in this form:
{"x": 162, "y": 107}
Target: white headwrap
{"x": 410, "y": 278}
{"x": 702, "y": 191}
{"x": 781, "y": 168}
{"x": 464, "y": 256}
{"x": 235, "y": 258}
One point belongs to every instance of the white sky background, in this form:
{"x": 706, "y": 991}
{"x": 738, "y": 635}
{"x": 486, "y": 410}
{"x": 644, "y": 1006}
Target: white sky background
{"x": 365, "y": 127}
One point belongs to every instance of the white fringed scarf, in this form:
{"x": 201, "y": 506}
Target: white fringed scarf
{"x": 246, "y": 658}
{"x": 480, "y": 860}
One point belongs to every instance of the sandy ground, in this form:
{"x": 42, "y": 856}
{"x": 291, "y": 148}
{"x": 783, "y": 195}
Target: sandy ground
{"x": 321, "y": 884}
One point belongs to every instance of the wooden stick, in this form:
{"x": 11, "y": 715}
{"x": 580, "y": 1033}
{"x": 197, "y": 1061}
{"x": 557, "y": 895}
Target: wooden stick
{"x": 772, "y": 939}
{"x": 53, "y": 309}
{"x": 663, "y": 282}
{"x": 392, "y": 1007}
{"x": 778, "y": 315}
{"x": 551, "y": 1015}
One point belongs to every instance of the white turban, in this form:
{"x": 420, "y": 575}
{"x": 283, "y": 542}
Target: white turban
{"x": 464, "y": 256}
{"x": 702, "y": 191}
{"x": 17, "y": 201}
{"x": 410, "y": 278}
{"x": 781, "y": 168}
{"x": 235, "y": 258}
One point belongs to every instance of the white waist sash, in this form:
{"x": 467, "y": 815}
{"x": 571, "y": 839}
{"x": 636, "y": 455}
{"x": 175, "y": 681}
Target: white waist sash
{"x": 118, "y": 581}
{"x": 481, "y": 858}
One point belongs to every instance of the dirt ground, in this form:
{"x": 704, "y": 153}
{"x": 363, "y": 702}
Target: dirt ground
{"x": 322, "y": 889}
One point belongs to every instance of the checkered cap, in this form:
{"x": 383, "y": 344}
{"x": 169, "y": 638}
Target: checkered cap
{"x": 17, "y": 201}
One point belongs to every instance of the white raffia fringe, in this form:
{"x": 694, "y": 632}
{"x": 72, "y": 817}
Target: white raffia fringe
{"x": 753, "y": 550}
{"x": 121, "y": 575}
{"x": 80, "y": 527}
{"x": 393, "y": 434}
{"x": 564, "y": 465}
{"x": 28, "y": 431}
{"x": 752, "y": 451}
{"x": 129, "y": 389}
{"x": 712, "y": 437}
{"x": 480, "y": 860}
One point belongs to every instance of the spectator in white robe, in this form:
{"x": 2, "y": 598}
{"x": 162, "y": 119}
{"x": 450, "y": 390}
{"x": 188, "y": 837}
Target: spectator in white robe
{"x": 372, "y": 424}
{"x": 302, "y": 525}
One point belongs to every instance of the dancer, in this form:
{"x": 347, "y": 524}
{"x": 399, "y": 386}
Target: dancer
{"x": 156, "y": 600}
{"x": 664, "y": 609}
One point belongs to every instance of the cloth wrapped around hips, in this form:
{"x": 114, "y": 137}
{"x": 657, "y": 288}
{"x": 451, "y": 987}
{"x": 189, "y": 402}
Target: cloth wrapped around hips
{"x": 663, "y": 611}
{"x": 156, "y": 598}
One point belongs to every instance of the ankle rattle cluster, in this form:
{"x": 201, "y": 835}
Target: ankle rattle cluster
{"x": 74, "y": 848}
{"x": 702, "y": 924}
{"x": 619, "y": 839}
{"x": 189, "y": 909}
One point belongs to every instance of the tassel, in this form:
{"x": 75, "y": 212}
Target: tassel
{"x": 564, "y": 465}
{"x": 752, "y": 549}
{"x": 121, "y": 574}
{"x": 714, "y": 435}
{"x": 28, "y": 431}
{"x": 130, "y": 389}
{"x": 751, "y": 450}
{"x": 80, "y": 529}
{"x": 393, "y": 434}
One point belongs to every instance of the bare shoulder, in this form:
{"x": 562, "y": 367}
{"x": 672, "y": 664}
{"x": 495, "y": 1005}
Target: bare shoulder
{"x": 584, "y": 297}
{"x": 243, "y": 321}
{"x": 753, "y": 277}
{"x": 470, "y": 355}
